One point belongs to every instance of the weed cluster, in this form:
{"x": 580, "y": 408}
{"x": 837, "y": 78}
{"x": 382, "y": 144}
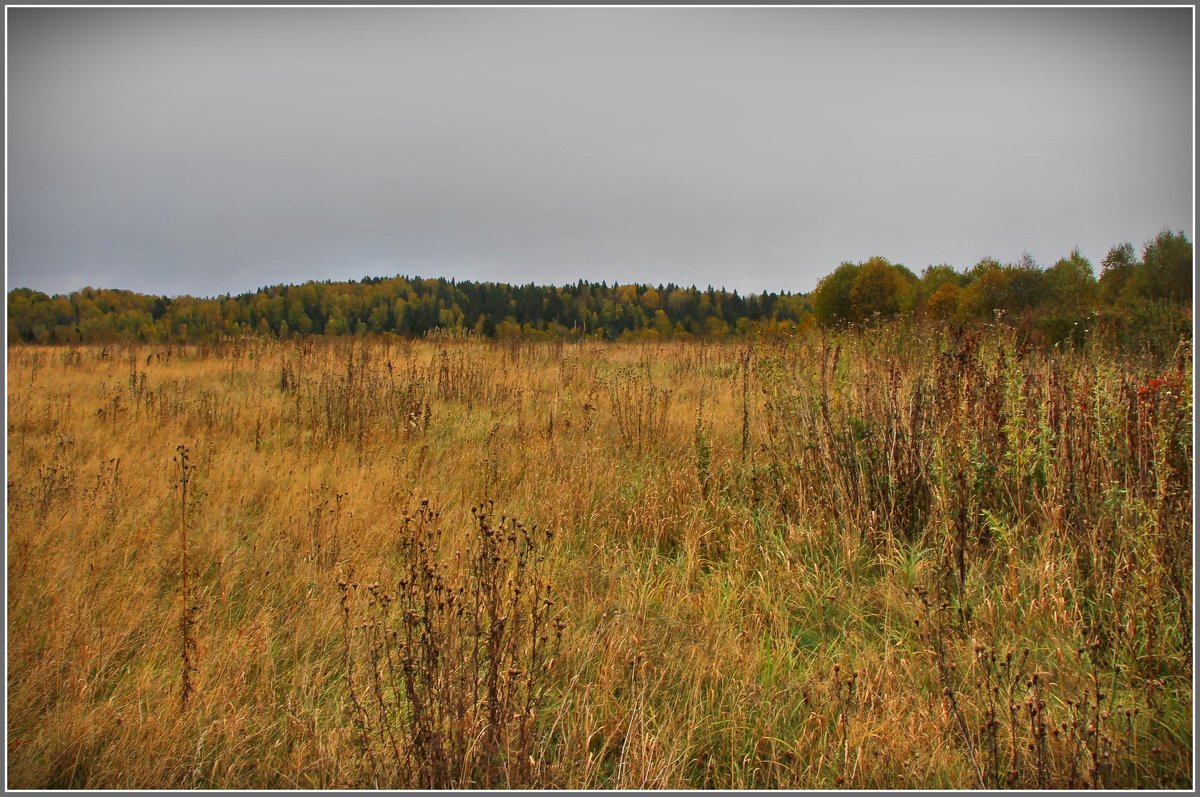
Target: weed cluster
{"x": 449, "y": 665}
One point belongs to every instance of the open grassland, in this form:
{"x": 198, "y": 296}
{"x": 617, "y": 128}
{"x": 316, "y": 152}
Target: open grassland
{"x": 887, "y": 559}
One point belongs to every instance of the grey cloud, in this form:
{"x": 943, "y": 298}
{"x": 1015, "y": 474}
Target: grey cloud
{"x": 216, "y": 150}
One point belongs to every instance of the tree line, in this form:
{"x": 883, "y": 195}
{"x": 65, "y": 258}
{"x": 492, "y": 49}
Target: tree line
{"x": 408, "y": 306}
{"x": 1140, "y": 300}
{"x": 1135, "y": 295}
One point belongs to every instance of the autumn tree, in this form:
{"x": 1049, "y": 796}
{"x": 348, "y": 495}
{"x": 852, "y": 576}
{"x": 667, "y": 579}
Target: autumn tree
{"x": 943, "y": 305}
{"x": 831, "y": 299}
{"x": 1115, "y": 270}
{"x": 876, "y": 290}
{"x": 1166, "y": 270}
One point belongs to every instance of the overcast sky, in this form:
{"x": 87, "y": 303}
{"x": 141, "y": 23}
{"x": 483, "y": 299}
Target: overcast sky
{"x": 207, "y": 151}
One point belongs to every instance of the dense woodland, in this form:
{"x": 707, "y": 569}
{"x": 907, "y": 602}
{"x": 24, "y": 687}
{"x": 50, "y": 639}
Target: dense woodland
{"x": 1137, "y": 298}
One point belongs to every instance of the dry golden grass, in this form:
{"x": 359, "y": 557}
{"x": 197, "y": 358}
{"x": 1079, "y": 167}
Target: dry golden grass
{"x": 785, "y": 567}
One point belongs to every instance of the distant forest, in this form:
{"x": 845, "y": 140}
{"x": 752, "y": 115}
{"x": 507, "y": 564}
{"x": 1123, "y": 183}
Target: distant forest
{"x": 1138, "y": 296}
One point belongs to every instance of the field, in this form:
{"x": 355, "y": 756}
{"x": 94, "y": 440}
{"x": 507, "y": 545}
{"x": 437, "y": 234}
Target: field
{"x": 896, "y": 558}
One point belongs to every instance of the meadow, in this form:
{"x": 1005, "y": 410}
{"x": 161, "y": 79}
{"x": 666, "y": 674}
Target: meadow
{"x": 890, "y": 558}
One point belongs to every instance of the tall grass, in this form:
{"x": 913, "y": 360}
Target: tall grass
{"x": 888, "y": 558}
